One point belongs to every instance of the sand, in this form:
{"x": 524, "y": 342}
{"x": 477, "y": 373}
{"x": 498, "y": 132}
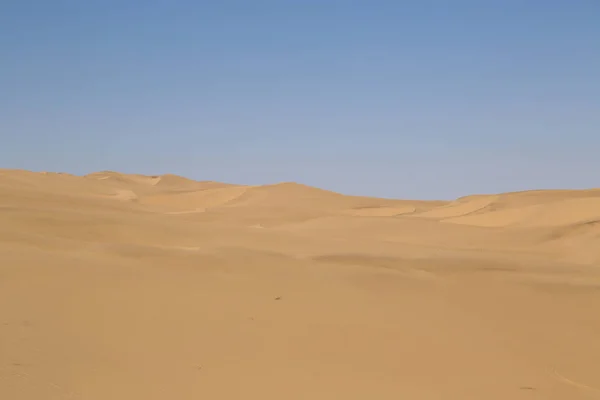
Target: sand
{"x": 116, "y": 286}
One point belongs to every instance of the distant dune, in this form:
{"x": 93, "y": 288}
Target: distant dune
{"x": 127, "y": 286}
{"x": 461, "y": 207}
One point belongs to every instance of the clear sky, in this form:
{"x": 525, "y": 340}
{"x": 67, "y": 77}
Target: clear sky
{"x": 409, "y": 99}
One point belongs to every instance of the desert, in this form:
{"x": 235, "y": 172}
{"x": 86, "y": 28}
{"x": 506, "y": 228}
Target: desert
{"x": 122, "y": 286}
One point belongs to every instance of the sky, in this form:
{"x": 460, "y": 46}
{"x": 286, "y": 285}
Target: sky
{"x": 403, "y": 99}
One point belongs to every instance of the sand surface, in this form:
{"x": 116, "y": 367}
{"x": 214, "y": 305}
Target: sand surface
{"x": 117, "y": 286}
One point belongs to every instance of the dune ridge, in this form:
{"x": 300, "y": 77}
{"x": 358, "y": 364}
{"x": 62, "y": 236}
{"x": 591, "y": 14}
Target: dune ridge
{"x": 537, "y": 213}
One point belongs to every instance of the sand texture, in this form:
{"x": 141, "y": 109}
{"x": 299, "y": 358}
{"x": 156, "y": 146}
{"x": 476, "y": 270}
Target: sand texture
{"x": 124, "y": 287}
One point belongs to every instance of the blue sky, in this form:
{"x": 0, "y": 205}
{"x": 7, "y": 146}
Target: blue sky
{"x": 408, "y": 99}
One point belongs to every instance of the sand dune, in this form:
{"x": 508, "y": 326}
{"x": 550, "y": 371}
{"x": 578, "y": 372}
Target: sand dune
{"x": 125, "y": 286}
{"x": 461, "y": 207}
{"x": 381, "y": 211}
{"x": 557, "y": 213}
{"x": 195, "y": 200}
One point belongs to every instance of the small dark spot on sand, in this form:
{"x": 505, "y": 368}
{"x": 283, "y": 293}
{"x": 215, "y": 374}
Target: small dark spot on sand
{"x": 527, "y": 388}
{"x": 278, "y": 298}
